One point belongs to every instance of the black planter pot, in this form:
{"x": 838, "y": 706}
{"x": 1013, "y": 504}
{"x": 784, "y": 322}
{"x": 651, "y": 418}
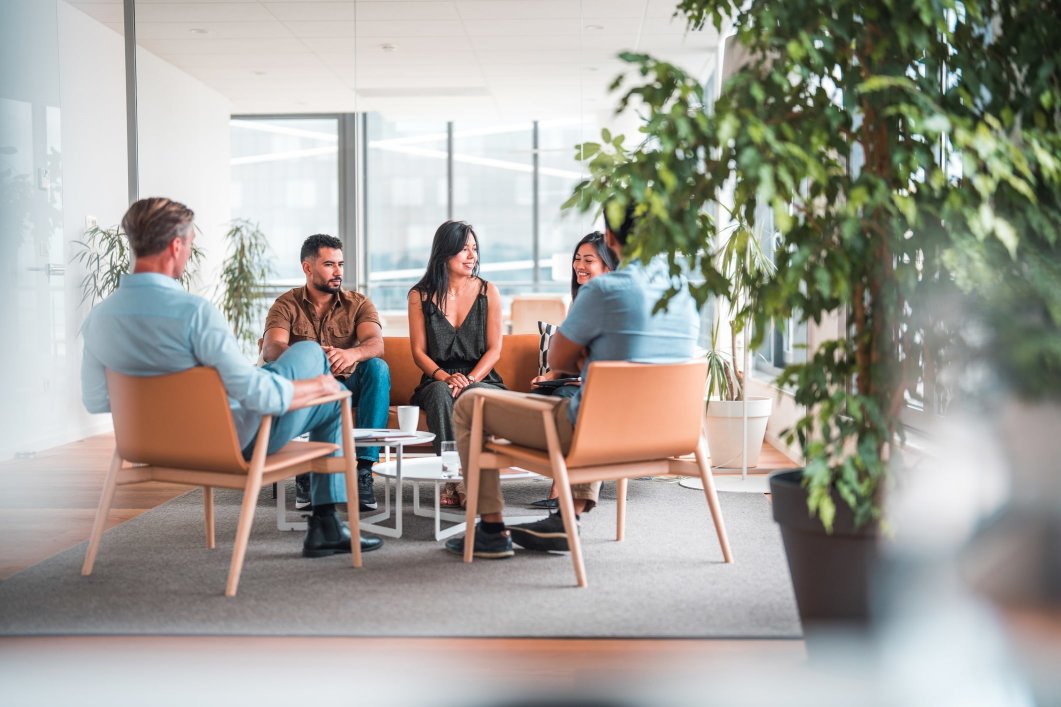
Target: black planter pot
{"x": 830, "y": 573}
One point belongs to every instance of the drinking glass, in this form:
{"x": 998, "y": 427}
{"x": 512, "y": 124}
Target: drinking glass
{"x": 451, "y": 462}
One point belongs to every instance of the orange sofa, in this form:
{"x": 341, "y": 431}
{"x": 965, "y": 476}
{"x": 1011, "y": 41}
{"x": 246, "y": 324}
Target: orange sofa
{"x": 517, "y": 365}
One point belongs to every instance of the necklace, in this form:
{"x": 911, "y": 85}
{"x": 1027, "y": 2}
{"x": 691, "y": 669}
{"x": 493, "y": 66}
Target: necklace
{"x": 453, "y": 293}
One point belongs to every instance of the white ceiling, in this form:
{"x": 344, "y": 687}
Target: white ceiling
{"x": 447, "y": 59}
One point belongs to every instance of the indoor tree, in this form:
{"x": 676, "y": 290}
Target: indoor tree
{"x": 246, "y": 270}
{"x": 892, "y": 142}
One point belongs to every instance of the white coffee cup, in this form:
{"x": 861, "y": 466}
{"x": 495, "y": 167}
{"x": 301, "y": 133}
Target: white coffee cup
{"x": 408, "y": 418}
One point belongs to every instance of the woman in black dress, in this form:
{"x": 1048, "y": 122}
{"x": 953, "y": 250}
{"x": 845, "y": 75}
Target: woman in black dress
{"x": 454, "y": 332}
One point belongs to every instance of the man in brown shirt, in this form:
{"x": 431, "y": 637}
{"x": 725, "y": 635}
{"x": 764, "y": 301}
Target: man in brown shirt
{"x": 347, "y": 327}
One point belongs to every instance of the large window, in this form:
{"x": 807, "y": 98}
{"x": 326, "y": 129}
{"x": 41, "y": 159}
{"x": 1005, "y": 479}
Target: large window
{"x": 285, "y": 177}
{"x": 507, "y": 179}
{"x": 406, "y": 197}
{"x": 493, "y": 189}
{"x": 559, "y": 172}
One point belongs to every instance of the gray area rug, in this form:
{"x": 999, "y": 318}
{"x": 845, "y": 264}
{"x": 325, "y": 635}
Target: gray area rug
{"x": 154, "y": 575}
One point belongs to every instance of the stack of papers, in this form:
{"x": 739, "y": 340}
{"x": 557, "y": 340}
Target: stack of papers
{"x": 381, "y": 435}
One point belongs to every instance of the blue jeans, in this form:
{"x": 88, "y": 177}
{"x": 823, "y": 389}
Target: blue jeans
{"x": 323, "y": 423}
{"x": 370, "y": 386}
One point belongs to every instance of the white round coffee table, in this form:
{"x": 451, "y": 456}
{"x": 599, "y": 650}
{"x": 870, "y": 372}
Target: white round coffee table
{"x": 365, "y": 437}
{"x": 428, "y": 469}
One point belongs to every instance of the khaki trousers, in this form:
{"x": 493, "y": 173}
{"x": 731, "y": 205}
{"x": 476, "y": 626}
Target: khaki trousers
{"x": 519, "y": 426}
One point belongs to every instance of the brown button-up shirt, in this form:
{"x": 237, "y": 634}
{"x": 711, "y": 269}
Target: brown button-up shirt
{"x": 295, "y": 312}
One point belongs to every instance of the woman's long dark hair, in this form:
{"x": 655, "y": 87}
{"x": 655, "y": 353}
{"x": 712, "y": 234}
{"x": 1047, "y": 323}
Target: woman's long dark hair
{"x": 449, "y": 241}
{"x": 605, "y": 253}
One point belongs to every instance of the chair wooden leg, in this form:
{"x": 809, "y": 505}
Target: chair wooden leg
{"x": 567, "y": 503}
{"x": 471, "y": 480}
{"x": 208, "y": 509}
{"x": 620, "y": 510}
{"x": 708, "y": 480}
{"x": 105, "y": 500}
{"x": 250, "y": 503}
{"x": 353, "y": 502}
{"x": 243, "y": 530}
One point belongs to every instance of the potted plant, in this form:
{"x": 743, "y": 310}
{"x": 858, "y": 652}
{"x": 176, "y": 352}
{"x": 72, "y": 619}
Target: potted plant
{"x": 248, "y": 266}
{"x": 105, "y": 256}
{"x": 735, "y": 423}
{"x": 878, "y": 135}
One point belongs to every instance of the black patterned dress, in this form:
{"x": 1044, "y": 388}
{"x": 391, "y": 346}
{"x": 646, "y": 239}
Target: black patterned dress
{"x": 456, "y": 351}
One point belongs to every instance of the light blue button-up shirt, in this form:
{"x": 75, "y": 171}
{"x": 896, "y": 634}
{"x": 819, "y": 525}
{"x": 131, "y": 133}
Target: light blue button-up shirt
{"x": 151, "y": 326}
{"x": 612, "y": 317}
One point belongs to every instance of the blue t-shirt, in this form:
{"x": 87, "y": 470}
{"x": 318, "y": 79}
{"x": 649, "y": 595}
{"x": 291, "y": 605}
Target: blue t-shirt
{"x": 612, "y": 317}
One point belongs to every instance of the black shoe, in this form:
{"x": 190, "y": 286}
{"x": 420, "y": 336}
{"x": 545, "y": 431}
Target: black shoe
{"x": 546, "y": 535}
{"x": 327, "y": 535}
{"x": 366, "y": 494}
{"x": 492, "y": 546}
{"x": 550, "y": 503}
{"x": 302, "y": 499}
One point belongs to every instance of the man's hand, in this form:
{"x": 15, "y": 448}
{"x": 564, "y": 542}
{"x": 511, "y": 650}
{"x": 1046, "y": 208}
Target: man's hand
{"x": 310, "y": 389}
{"x": 341, "y": 360}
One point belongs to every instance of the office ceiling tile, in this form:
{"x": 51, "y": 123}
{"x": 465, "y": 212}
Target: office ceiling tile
{"x": 614, "y": 8}
{"x": 195, "y": 31}
{"x": 516, "y": 9}
{"x": 202, "y": 12}
{"x": 468, "y": 58}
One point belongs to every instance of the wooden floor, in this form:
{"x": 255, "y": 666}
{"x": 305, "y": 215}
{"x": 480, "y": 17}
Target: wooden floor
{"x": 50, "y": 503}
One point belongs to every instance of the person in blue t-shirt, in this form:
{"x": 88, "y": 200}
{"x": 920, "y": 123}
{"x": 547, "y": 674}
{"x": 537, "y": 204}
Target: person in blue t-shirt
{"x": 611, "y": 320}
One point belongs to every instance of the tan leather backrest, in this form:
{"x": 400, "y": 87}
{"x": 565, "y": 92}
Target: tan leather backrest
{"x": 528, "y": 310}
{"x": 638, "y": 411}
{"x": 405, "y": 375}
{"x": 179, "y": 420}
{"x": 518, "y": 364}
{"x": 519, "y": 361}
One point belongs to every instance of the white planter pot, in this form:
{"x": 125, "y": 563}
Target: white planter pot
{"x": 723, "y": 426}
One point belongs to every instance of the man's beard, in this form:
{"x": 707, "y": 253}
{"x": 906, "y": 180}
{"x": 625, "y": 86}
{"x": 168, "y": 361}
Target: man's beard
{"x": 324, "y": 286}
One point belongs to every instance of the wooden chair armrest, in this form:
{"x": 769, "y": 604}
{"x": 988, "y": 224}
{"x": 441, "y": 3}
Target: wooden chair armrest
{"x": 328, "y": 398}
{"x": 513, "y": 401}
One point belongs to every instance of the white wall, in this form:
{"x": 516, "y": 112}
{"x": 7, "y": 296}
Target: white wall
{"x": 62, "y": 68}
{"x": 185, "y": 151}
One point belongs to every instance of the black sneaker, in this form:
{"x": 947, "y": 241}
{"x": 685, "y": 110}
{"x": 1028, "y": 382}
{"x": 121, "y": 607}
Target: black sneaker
{"x": 302, "y": 500}
{"x": 550, "y": 503}
{"x": 546, "y": 535}
{"x": 491, "y": 546}
{"x": 366, "y": 494}
{"x": 327, "y": 535}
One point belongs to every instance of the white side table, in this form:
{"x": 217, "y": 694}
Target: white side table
{"x": 428, "y": 470}
{"x": 367, "y": 522}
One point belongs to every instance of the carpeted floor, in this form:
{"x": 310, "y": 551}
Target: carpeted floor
{"x": 154, "y": 575}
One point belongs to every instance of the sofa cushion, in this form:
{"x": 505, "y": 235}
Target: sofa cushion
{"x": 517, "y": 365}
